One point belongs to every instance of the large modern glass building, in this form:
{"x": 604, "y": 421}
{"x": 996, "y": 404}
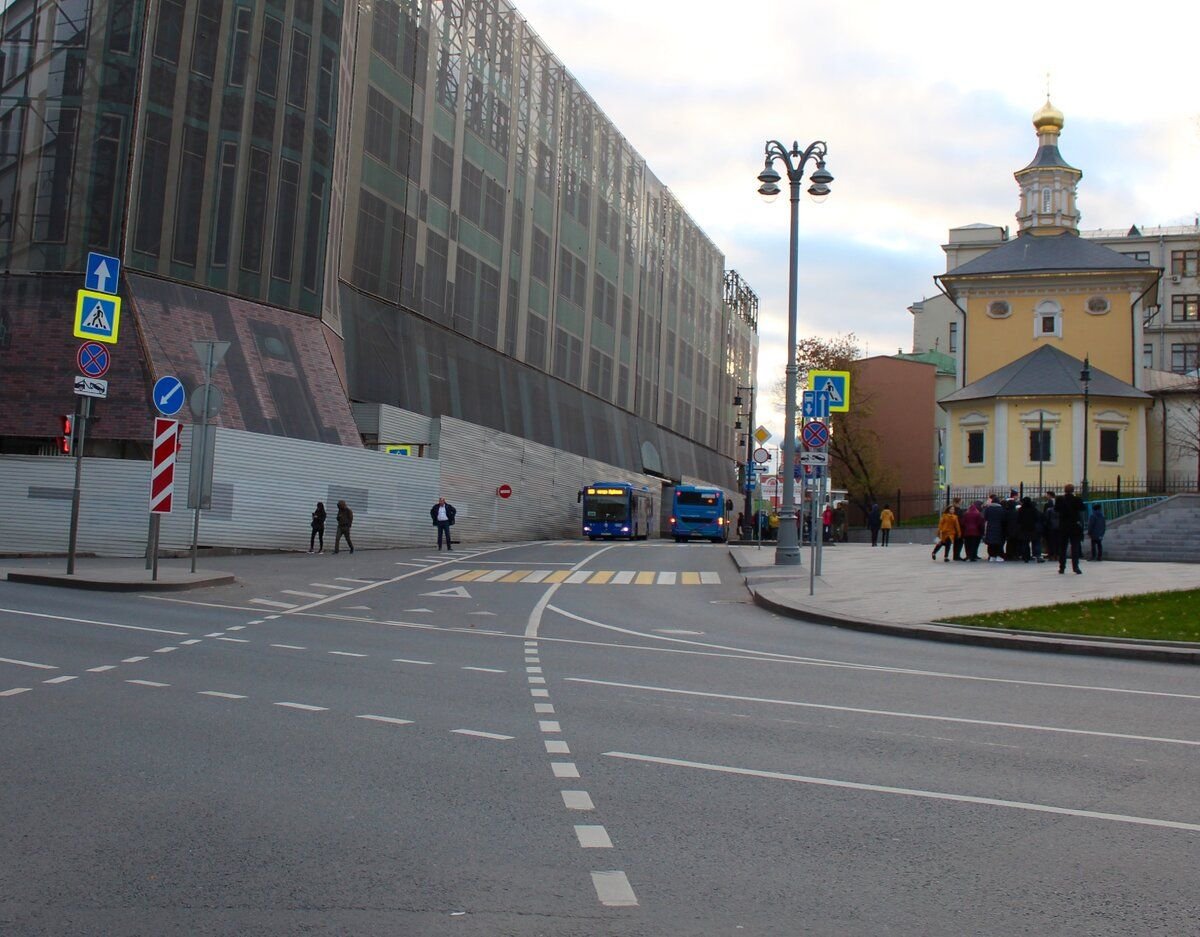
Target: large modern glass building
{"x": 403, "y": 202}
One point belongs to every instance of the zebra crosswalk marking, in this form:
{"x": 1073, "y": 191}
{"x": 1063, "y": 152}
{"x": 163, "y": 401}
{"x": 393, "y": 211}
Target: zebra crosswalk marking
{"x": 518, "y": 576}
{"x": 591, "y": 577}
{"x": 472, "y": 575}
{"x": 494, "y": 575}
{"x": 666, "y": 579}
{"x": 644, "y": 579}
{"x": 537, "y": 575}
{"x": 710, "y": 578}
{"x": 690, "y": 579}
{"x": 579, "y": 576}
{"x": 449, "y": 574}
{"x": 624, "y": 577}
{"x": 557, "y": 576}
{"x": 600, "y": 578}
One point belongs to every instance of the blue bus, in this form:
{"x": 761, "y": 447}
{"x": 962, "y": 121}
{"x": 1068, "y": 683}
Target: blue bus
{"x": 616, "y": 509}
{"x": 699, "y": 512}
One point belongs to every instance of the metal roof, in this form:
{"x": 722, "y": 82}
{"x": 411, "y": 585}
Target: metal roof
{"x": 1045, "y": 372}
{"x": 1031, "y": 253}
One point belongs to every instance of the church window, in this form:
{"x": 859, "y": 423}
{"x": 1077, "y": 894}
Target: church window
{"x": 1110, "y": 445}
{"x": 1047, "y": 197}
{"x": 999, "y": 309}
{"x": 953, "y": 337}
{"x": 1147, "y": 355}
{"x": 1098, "y": 305}
{"x": 1039, "y": 445}
{"x": 975, "y": 447}
{"x": 1047, "y": 319}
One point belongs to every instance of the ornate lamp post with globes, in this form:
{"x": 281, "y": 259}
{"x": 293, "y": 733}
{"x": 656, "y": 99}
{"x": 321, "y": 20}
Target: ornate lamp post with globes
{"x": 787, "y": 548}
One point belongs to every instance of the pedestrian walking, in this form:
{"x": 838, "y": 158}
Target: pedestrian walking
{"x": 972, "y": 530}
{"x": 1095, "y": 531}
{"x": 345, "y": 520}
{"x": 993, "y": 530}
{"x": 317, "y": 537}
{"x": 949, "y": 530}
{"x": 442, "y": 515}
{"x": 827, "y": 524}
{"x": 887, "y": 520}
{"x": 1070, "y": 510}
{"x": 873, "y": 522}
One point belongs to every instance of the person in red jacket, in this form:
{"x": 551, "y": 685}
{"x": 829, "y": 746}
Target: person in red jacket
{"x": 972, "y": 531}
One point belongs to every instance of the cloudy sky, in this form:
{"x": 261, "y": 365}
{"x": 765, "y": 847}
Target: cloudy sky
{"x": 926, "y": 109}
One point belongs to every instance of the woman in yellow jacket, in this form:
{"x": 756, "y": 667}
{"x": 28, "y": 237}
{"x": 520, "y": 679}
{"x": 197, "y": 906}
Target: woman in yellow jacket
{"x": 948, "y": 531}
{"x": 887, "y": 520}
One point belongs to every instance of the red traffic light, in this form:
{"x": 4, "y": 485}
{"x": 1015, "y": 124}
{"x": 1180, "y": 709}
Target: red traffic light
{"x": 68, "y": 430}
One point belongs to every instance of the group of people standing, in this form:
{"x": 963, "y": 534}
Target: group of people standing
{"x": 442, "y": 514}
{"x": 1017, "y": 529}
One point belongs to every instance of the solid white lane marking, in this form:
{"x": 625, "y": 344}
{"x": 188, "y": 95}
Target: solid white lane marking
{"x": 549, "y": 725}
{"x": 581, "y": 576}
{"x": 623, "y": 578}
{"x": 543, "y": 707}
{"x": 191, "y": 642}
{"x": 235, "y": 640}
{"x": 134, "y": 660}
{"x": 403, "y": 563}
{"x": 483, "y": 735}
{"x": 220, "y": 695}
{"x": 557, "y": 747}
{"x": 59, "y": 679}
{"x": 365, "y": 608}
{"x": 488, "y": 615}
{"x": 88, "y": 621}
{"x": 533, "y": 669}
{"x": 613, "y": 890}
{"x": 531, "y": 644}
{"x": 273, "y": 604}
{"x": 493, "y": 575}
{"x": 329, "y": 585}
{"x": 390, "y": 720}
{"x": 147, "y": 683}
{"x": 666, "y": 579}
{"x": 577, "y": 800}
{"x": 305, "y": 707}
{"x": 485, "y": 669}
{"x": 290, "y": 647}
{"x": 539, "y": 693}
{"x": 893, "y": 714}
{"x": 165, "y": 650}
{"x": 710, "y": 578}
{"x": 403, "y": 660}
{"x": 677, "y": 631}
{"x": 303, "y": 595}
{"x": 910, "y": 792}
{"x": 15, "y": 690}
{"x": 536, "y": 679}
{"x": 592, "y": 836}
{"x": 564, "y": 769}
{"x": 447, "y": 575}
{"x": 347, "y": 654}
{"x": 102, "y": 669}
{"x": 27, "y": 663}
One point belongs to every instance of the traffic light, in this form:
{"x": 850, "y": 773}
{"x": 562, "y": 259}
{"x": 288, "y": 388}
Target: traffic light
{"x": 67, "y": 441}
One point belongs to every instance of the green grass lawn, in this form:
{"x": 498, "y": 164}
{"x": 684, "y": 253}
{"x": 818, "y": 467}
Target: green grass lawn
{"x": 1160, "y": 616}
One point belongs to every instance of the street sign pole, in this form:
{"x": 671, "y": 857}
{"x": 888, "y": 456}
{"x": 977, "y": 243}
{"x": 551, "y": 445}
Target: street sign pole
{"x": 85, "y": 412}
{"x": 208, "y": 370}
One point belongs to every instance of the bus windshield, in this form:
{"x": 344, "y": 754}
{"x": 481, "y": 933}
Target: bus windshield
{"x": 708, "y": 499}
{"x": 606, "y": 508}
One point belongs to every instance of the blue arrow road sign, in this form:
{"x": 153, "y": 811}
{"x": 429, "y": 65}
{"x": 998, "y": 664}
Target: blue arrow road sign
{"x": 168, "y": 395}
{"x": 103, "y": 273}
{"x": 816, "y": 405}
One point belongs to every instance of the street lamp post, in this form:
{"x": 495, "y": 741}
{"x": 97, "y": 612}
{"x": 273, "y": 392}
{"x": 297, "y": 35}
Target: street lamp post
{"x": 1085, "y": 378}
{"x": 787, "y": 547}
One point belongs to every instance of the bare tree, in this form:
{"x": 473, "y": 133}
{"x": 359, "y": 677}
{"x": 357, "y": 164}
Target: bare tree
{"x": 1183, "y": 426}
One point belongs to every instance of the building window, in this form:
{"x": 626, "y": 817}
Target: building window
{"x": 953, "y": 337}
{"x": 999, "y": 309}
{"x": 1039, "y": 445}
{"x": 441, "y": 176}
{"x": 380, "y": 117}
{"x": 1185, "y": 356}
{"x": 1098, "y": 305}
{"x": 1140, "y": 256}
{"x": 1047, "y": 200}
{"x": 1185, "y": 307}
{"x": 1047, "y": 319}
{"x": 240, "y": 53}
{"x": 1147, "y": 355}
{"x": 1184, "y": 263}
{"x": 1110, "y": 445}
{"x": 189, "y": 196}
{"x": 298, "y": 70}
{"x": 286, "y": 202}
{"x": 268, "y": 62}
{"x": 975, "y": 447}
{"x": 257, "y": 182}
{"x": 539, "y": 261}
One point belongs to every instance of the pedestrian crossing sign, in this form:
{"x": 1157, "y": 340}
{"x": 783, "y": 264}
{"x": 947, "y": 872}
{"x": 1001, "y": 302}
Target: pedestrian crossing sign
{"x": 97, "y": 316}
{"x": 834, "y": 383}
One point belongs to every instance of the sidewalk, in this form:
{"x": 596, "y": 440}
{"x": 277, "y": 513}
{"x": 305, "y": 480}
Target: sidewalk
{"x": 111, "y": 574}
{"x": 899, "y": 590}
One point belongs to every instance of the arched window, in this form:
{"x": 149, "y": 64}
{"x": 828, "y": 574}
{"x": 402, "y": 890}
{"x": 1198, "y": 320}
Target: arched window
{"x": 1047, "y": 200}
{"x": 1047, "y": 319}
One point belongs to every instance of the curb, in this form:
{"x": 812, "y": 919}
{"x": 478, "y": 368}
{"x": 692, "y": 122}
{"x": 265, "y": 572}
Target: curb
{"x": 63, "y": 581}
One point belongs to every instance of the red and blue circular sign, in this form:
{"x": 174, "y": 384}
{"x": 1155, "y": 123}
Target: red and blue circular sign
{"x": 816, "y": 434}
{"x": 93, "y": 359}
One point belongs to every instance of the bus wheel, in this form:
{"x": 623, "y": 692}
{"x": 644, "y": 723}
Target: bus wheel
{"x": 590, "y": 537}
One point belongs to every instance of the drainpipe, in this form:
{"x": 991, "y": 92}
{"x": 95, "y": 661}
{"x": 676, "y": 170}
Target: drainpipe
{"x": 962, "y": 375}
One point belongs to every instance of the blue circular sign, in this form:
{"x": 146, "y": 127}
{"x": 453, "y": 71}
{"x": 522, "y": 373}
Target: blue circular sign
{"x": 168, "y": 395}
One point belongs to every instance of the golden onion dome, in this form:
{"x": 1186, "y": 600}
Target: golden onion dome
{"x": 1048, "y": 117}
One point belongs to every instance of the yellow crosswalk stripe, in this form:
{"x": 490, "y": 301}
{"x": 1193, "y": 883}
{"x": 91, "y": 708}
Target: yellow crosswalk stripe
{"x": 644, "y": 579}
{"x": 690, "y": 579}
{"x": 517, "y": 576}
{"x": 471, "y": 576}
{"x": 601, "y": 577}
{"x": 558, "y": 575}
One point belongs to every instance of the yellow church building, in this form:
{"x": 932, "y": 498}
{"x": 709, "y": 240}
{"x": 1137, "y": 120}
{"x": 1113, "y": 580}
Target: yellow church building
{"x": 1050, "y": 325}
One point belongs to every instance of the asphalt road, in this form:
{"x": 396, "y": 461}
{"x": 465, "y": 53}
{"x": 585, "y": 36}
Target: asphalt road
{"x": 569, "y": 739}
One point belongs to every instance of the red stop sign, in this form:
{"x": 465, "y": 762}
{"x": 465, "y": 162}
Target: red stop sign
{"x": 504, "y": 491}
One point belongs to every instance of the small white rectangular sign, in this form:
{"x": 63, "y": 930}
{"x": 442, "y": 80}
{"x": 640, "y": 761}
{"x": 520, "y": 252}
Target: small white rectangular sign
{"x": 90, "y": 386}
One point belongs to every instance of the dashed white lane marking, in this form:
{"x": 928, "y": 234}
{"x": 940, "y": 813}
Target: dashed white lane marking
{"x": 577, "y": 800}
{"x": 237, "y": 627}
{"x": 677, "y": 631}
{"x": 215, "y": 634}
{"x": 533, "y": 669}
{"x": 549, "y": 725}
{"x": 909, "y": 792}
{"x": 147, "y": 683}
{"x": 15, "y": 690}
{"x": 405, "y": 660}
{"x": 329, "y": 585}
{"x": 613, "y": 890}
{"x": 290, "y": 647}
{"x": 592, "y": 836}
{"x": 390, "y": 720}
{"x": 102, "y": 669}
{"x": 89, "y": 621}
{"x": 543, "y": 707}
{"x": 623, "y": 578}
{"x": 305, "y": 707}
{"x": 255, "y": 621}
{"x": 235, "y": 640}
{"x": 564, "y": 769}
{"x": 190, "y": 642}
{"x": 483, "y": 735}
{"x": 304, "y": 595}
{"x": 402, "y": 563}
{"x": 347, "y": 654}
{"x": 134, "y": 660}
{"x": 165, "y": 650}
{"x": 59, "y": 679}
{"x": 539, "y": 693}
{"x": 898, "y": 715}
{"x": 536, "y": 679}
{"x": 531, "y": 644}
{"x": 485, "y": 669}
{"x": 26, "y": 663}
{"x": 556, "y": 747}
{"x": 220, "y": 695}
{"x": 273, "y": 604}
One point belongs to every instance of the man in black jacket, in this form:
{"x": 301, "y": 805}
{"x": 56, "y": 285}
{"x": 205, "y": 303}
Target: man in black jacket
{"x": 442, "y": 515}
{"x": 1069, "y": 508}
